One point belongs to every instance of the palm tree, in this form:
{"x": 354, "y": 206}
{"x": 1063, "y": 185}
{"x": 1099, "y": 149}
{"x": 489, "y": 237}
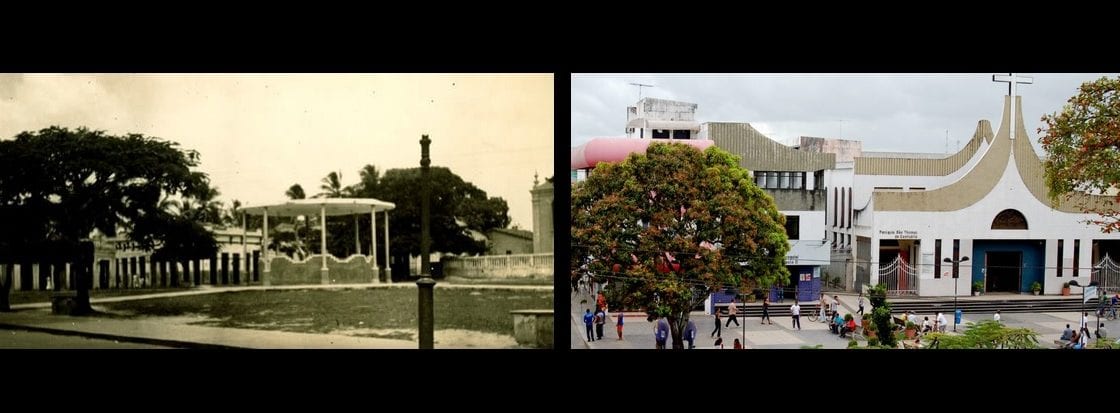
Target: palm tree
{"x": 332, "y": 186}
{"x": 295, "y": 192}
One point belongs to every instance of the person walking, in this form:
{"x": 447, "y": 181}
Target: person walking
{"x": 618, "y": 324}
{"x": 589, "y": 322}
{"x": 824, "y": 309}
{"x": 690, "y": 334}
{"x": 996, "y": 316}
{"x": 795, "y": 310}
{"x": 765, "y": 311}
{"x": 860, "y": 312}
{"x": 719, "y": 325}
{"x": 600, "y": 321}
{"x": 732, "y": 311}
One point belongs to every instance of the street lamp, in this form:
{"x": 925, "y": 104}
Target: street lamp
{"x": 1074, "y": 283}
{"x": 956, "y": 279}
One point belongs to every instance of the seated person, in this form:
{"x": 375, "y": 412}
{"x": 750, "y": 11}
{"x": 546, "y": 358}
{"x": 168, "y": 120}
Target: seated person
{"x": 836, "y": 322}
{"x": 926, "y": 326}
{"x": 1074, "y": 339}
{"x": 848, "y": 327}
{"x": 1101, "y": 332}
{"x": 1067, "y": 334}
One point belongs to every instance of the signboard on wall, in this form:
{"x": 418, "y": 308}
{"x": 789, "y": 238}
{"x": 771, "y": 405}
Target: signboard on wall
{"x": 806, "y": 276}
{"x": 898, "y": 234}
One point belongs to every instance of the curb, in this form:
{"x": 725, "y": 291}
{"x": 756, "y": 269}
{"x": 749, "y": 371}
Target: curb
{"x": 116, "y": 337}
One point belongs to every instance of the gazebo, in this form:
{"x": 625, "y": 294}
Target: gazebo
{"x": 289, "y": 271}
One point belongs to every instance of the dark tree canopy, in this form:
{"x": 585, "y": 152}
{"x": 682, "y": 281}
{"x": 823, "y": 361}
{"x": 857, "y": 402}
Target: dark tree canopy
{"x": 57, "y": 185}
{"x": 668, "y": 227}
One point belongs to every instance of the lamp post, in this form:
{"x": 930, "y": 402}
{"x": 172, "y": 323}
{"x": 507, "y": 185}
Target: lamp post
{"x": 1074, "y": 283}
{"x": 956, "y": 279}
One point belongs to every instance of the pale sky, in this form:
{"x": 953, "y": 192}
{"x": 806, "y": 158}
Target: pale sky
{"x": 908, "y": 112}
{"x": 260, "y": 133}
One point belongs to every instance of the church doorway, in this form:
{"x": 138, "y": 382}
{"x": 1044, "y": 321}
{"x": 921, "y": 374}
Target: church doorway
{"x": 1004, "y": 271}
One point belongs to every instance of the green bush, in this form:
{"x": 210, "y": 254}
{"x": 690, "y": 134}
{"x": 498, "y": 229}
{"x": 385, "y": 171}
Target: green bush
{"x": 881, "y": 314}
{"x": 853, "y": 343}
{"x": 848, "y": 317}
{"x": 1036, "y": 286}
{"x": 873, "y": 342}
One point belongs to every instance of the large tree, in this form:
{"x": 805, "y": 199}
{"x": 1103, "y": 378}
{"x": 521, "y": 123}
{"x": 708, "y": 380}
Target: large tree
{"x": 1083, "y": 143}
{"x": 670, "y": 226}
{"x": 57, "y": 185}
{"x": 457, "y": 207}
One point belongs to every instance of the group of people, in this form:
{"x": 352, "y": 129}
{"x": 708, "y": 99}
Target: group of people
{"x": 1080, "y": 339}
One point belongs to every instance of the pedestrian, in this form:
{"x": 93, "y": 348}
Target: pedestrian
{"x": 795, "y": 310}
{"x": 719, "y": 325}
{"x": 600, "y": 321}
{"x": 824, "y": 309}
{"x": 942, "y": 323}
{"x": 690, "y": 334}
{"x": 589, "y": 321}
{"x": 835, "y": 306}
{"x": 996, "y": 316}
{"x": 1085, "y": 321}
{"x": 732, "y": 311}
{"x": 662, "y": 333}
{"x": 766, "y": 311}
{"x": 618, "y": 325}
{"x": 860, "y": 304}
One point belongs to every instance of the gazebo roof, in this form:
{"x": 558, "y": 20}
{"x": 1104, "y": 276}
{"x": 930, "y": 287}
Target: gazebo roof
{"x": 333, "y": 207}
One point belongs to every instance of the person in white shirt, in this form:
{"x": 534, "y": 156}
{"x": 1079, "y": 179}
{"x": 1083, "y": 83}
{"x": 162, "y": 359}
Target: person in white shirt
{"x": 996, "y": 316}
{"x": 1084, "y": 321}
{"x": 795, "y": 310}
{"x": 941, "y": 322}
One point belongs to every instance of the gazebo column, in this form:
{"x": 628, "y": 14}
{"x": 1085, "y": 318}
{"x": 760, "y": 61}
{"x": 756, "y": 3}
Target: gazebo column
{"x": 244, "y": 247}
{"x": 357, "y": 242}
{"x": 264, "y": 252}
{"x": 373, "y": 244}
{"x": 388, "y": 258}
{"x": 324, "y": 272}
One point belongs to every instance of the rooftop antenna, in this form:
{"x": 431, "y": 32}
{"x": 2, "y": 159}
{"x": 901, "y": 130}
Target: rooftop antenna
{"x": 640, "y": 86}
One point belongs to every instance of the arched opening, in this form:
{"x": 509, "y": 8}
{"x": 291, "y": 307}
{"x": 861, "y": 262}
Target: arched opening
{"x": 1009, "y": 219}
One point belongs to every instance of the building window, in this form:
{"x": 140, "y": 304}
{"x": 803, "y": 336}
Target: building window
{"x": 956, "y": 258}
{"x": 793, "y": 227}
{"x": 1060, "y": 265}
{"x": 818, "y": 179}
{"x": 1076, "y": 255}
{"x": 1009, "y": 219}
{"x": 508, "y": 252}
{"x": 680, "y": 134}
{"x": 661, "y": 134}
{"x": 937, "y": 258}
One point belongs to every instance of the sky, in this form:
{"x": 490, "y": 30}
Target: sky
{"x": 909, "y": 112}
{"x": 258, "y": 134}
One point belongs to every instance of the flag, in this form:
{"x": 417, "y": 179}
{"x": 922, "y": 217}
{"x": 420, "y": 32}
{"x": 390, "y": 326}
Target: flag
{"x": 1090, "y": 293}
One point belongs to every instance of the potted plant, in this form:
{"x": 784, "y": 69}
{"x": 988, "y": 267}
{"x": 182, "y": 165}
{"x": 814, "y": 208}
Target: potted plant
{"x": 869, "y": 331}
{"x": 1036, "y": 287}
{"x": 911, "y": 329}
{"x": 1065, "y": 288}
{"x": 866, "y": 321}
{"x": 977, "y": 288}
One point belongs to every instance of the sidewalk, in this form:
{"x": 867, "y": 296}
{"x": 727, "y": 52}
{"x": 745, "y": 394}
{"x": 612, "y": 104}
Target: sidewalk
{"x": 638, "y": 333}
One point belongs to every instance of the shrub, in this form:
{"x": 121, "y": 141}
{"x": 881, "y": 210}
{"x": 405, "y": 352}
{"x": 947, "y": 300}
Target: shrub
{"x": 852, "y": 343}
{"x": 873, "y": 342}
{"x": 848, "y": 317}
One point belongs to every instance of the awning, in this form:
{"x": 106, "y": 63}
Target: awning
{"x": 664, "y": 124}
{"x": 332, "y": 206}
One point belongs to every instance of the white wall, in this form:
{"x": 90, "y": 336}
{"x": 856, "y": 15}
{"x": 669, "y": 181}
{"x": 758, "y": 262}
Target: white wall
{"x": 809, "y": 250}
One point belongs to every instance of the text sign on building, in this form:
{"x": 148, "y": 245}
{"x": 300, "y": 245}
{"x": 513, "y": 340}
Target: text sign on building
{"x": 807, "y": 277}
{"x": 898, "y": 234}
{"x": 791, "y": 259}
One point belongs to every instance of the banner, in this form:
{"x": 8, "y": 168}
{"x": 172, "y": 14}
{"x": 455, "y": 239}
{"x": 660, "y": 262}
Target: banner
{"x": 1090, "y": 293}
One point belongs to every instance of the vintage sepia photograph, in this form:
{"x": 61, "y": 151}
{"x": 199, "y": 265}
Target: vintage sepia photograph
{"x": 276, "y": 211}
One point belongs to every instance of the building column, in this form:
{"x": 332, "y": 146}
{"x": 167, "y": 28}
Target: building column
{"x": 357, "y": 240}
{"x": 264, "y": 248}
{"x": 373, "y": 244}
{"x": 244, "y": 249}
{"x": 17, "y": 283}
{"x": 388, "y": 258}
{"x": 324, "y": 272}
